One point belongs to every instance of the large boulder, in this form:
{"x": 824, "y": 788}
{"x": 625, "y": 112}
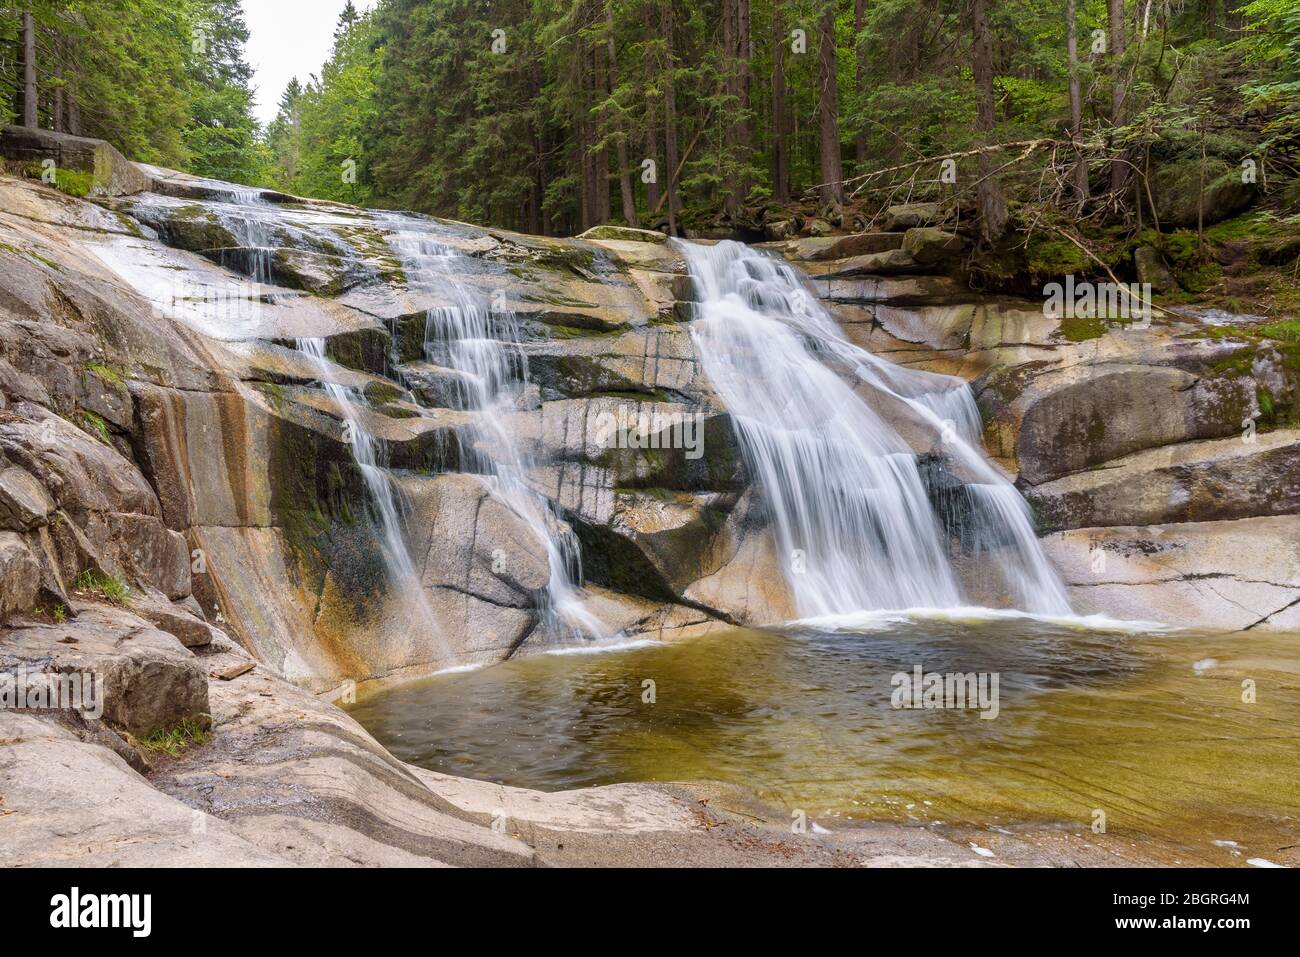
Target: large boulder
{"x": 623, "y": 234}
{"x": 150, "y": 682}
{"x": 1178, "y": 191}
{"x": 930, "y": 246}
{"x": 110, "y": 173}
{"x": 911, "y": 215}
{"x": 843, "y": 247}
{"x": 1080, "y": 417}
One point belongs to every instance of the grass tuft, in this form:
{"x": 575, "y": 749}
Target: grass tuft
{"x": 174, "y": 741}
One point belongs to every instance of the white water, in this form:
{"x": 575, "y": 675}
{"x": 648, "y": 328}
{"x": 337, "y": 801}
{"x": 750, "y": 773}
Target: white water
{"x": 401, "y": 571}
{"x": 854, "y": 525}
{"x": 482, "y": 347}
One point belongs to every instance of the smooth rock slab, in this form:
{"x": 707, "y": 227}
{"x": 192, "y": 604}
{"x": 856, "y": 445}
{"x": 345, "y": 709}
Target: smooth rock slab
{"x": 1208, "y": 575}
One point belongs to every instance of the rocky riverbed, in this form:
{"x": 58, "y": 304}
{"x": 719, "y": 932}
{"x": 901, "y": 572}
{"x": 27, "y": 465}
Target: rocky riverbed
{"x": 179, "y": 499}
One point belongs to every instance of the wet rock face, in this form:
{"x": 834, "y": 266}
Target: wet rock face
{"x": 160, "y": 426}
{"x": 162, "y": 431}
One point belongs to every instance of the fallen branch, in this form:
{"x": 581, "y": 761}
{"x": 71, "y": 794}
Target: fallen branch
{"x": 1028, "y": 145}
{"x": 1110, "y": 272}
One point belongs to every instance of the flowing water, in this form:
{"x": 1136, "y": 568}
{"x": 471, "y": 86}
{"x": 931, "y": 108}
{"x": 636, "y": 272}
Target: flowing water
{"x": 1150, "y": 728}
{"x": 819, "y": 419}
{"x": 481, "y": 347}
{"x": 402, "y": 574}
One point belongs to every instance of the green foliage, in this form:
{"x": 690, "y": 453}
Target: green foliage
{"x": 105, "y": 586}
{"x": 95, "y": 423}
{"x": 173, "y": 742}
{"x": 1287, "y": 330}
{"x": 420, "y": 106}
{"x": 107, "y": 373}
{"x": 162, "y": 80}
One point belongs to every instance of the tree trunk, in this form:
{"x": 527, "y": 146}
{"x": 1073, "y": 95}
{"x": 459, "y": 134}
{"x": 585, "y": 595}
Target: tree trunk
{"x": 57, "y": 110}
{"x": 1115, "y": 9}
{"x": 652, "y": 150}
{"x": 670, "y": 114}
{"x": 730, "y": 85}
{"x": 738, "y": 134}
{"x": 586, "y": 200}
{"x": 780, "y": 124}
{"x": 745, "y": 43}
{"x": 600, "y": 161}
{"x": 828, "y": 110}
{"x": 620, "y": 148}
{"x": 992, "y": 204}
{"x": 29, "y": 114}
{"x": 859, "y": 21}
{"x": 1076, "y": 99}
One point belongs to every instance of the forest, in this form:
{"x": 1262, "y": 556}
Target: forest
{"x": 724, "y": 116}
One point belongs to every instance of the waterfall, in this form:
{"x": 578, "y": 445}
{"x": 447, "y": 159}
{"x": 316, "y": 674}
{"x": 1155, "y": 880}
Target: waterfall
{"x": 481, "y": 347}
{"x": 401, "y": 570}
{"x": 818, "y": 421}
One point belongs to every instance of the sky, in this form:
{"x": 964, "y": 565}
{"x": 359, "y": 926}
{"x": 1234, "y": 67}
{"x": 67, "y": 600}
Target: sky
{"x": 288, "y": 38}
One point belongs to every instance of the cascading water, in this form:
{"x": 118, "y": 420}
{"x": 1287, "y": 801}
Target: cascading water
{"x": 850, "y": 507}
{"x": 401, "y": 571}
{"x": 481, "y": 348}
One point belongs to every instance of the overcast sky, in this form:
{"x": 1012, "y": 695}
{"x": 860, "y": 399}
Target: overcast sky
{"x": 289, "y": 38}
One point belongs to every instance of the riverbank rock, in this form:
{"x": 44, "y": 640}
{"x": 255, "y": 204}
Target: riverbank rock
{"x": 1224, "y": 575}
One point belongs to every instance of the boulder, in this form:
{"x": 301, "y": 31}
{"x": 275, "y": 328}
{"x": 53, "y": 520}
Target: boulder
{"x": 1151, "y": 268}
{"x": 623, "y": 234}
{"x": 890, "y": 262}
{"x": 24, "y": 503}
{"x": 843, "y": 247}
{"x": 1084, "y": 416}
{"x": 1188, "y": 482}
{"x": 179, "y": 622}
{"x": 149, "y": 681}
{"x": 781, "y": 229}
{"x": 816, "y": 226}
{"x": 20, "y": 575}
{"x": 911, "y": 215}
{"x": 1177, "y": 188}
{"x": 112, "y": 174}
{"x": 930, "y": 246}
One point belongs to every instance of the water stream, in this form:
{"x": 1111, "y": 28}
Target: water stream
{"x": 819, "y": 422}
{"x": 481, "y": 347}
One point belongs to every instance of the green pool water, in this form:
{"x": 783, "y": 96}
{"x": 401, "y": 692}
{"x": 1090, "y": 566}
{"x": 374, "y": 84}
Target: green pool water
{"x": 1150, "y": 729}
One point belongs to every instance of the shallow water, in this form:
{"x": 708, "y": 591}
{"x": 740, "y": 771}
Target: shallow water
{"x": 1149, "y": 728}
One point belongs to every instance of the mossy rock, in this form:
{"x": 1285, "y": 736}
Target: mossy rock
{"x": 366, "y": 350}
{"x": 624, "y": 234}
{"x": 1176, "y": 188}
{"x": 192, "y": 228}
